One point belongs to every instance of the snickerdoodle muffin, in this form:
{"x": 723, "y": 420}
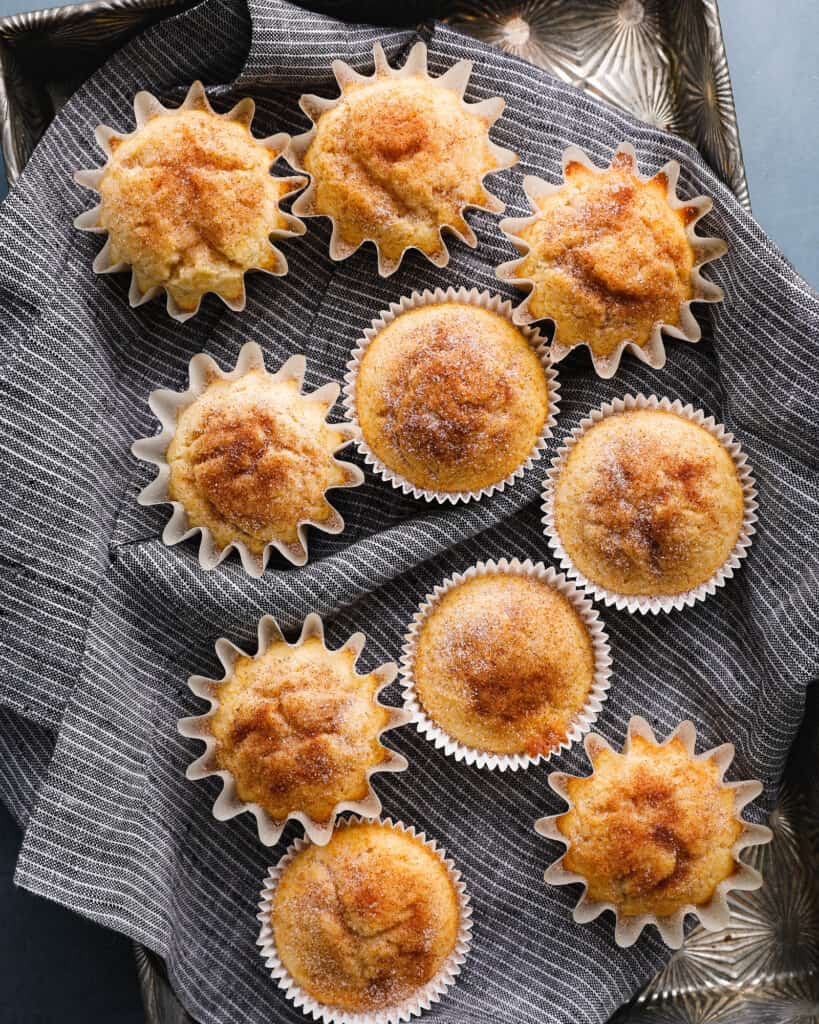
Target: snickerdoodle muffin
{"x": 648, "y": 502}
{"x": 503, "y": 663}
{"x": 252, "y": 458}
{"x": 397, "y": 157}
{"x": 298, "y": 729}
{"x": 189, "y": 203}
{"x": 364, "y": 923}
{"x": 612, "y": 259}
{"x": 652, "y": 829}
{"x": 452, "y": 399}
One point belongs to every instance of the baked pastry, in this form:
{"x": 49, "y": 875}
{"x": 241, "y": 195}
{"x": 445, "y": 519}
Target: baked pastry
{"x": 365, "y": 922}
{"x": 452, "y": 398}
{"x": 397, "y": 158}
{"x": 298, "y": 729}
{"x": 502, "y": 662}
{"x": 654, "y": 833}
{"x": 612, "y": 259}
{"x": 189, "y": 203}
{"x": 647, "y": 502}
{"x": 247, "y": 459}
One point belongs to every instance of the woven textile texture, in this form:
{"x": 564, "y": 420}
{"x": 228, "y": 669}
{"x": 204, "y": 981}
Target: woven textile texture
{"x": 102, "y": 623}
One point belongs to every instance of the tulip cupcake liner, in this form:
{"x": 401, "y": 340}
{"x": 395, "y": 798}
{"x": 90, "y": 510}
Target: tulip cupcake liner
{"x": 228, "y": 804}
{"x": 705, "y": 250}
{"x": 455, "y": 80}
{"x": 582, "y": 722}
{"x": 432, "y": 992}
{"x": 473, "y": 297}
{"x": 147, "y": 107}
{"x": 715, "y": 914}
{"x": 644, "y": 603}
{"x": 166, "y": 405}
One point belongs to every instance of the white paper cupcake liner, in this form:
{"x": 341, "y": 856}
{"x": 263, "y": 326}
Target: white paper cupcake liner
{"x": 147, "y": 106}
{"x": 582, "y": 722}
{"x": 228, "y": 804}
{"x": 705, "y": 250}
{"x": 473, "y": 297}
{"x": 422, "y": 1000}
{"x": 167, "y": 404}
{"x": 644, "y": 603}
{"x": 715, "y": 914}
{"x": 456, "y": 80}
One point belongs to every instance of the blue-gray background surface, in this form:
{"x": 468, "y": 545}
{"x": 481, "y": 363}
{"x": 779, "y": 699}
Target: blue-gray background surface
{"x": 54, "y": 967}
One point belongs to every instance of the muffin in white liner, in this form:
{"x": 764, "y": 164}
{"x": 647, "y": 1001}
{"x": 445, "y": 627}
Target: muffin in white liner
{"x": 168, "y": 404}
{"x": 483, "y": 300}
{"x": 715, "y": 913}
{"x": 402, "y": 141}
{"x": 432, "y": 992}
{"x": 644, "y": 603}
{"x": 582, "y": 722}
{"x": 232, "y": 293}
{"x": 704, "y": 249}
{"x": 228, "y": 804}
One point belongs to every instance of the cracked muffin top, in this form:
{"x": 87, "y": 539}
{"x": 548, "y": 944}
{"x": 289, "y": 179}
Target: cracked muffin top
{"x": 298, "y": 729}
{"x": 504, "y": 663}
{"x": 364, "y": 922}
{"x": 189, "y": 203}
{"x": 648, "y": 502}
{"x": 608, "y": 257}
{"x": 251, "y": 460}
{"x": 652, "y": 830}
{"x": 451, "y": 397}
{"x": 396, "y": 159}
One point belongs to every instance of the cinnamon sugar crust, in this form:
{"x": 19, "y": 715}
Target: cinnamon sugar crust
{"x": 648, "y": 503}
{"x": 189, "y": 203}
{"x": 451, "y": 397}
{"x": 252, "y": 458}
{"x": 504, "y": 664}
{"x": 652, "y": 830}
{"x": 609, "y": 257}
{"x": 298, "y": 729}
{"x": 365, "y": 921}
{"x": 396, "y": 160}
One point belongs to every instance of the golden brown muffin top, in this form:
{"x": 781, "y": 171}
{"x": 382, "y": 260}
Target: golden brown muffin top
{"x": 365, "y": 921}
{"x": 648, "y": 503}
{"x": 298, "y": 728}
{"x": 395, "y": 160}
{"x": 189, "y": 203}
{"x": 609, "y": 257}
{"x": 504, "y": 664}
{"x": 252, "y": 458}
{"x": 651, "y": 830}
{"x": 451, "y": 396}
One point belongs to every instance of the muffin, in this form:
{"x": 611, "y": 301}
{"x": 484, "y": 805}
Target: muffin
{"x": 647, "y": 502}
{"x": 612, "y": 259}
{"x": 654, "y": 832}
{"x": 189, "y": 203}
{"x": 397, "y": 158}
{"x": 505, "y": 664}
{"x": 247, "y": 459}
{"x": 294, "y": 731}
{"x": 369, "y": 923}
{"x": 452, "y": 399}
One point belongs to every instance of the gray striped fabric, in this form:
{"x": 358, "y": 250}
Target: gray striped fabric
{"x": 102, "y": 623}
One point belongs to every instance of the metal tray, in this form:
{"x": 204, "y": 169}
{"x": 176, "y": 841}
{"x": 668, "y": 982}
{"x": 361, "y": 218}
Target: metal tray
{"x": 664, "y": 61}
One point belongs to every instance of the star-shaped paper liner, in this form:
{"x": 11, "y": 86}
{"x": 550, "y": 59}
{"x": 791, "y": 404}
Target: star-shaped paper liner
{"x": 456, "y": 80}
{"x": 228, "y": 804}
{"x": 147, "y": 107}
{"x": 167, "y": 404}
{"x": 715, "y": 913}
{"x": 705, "y": 250}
